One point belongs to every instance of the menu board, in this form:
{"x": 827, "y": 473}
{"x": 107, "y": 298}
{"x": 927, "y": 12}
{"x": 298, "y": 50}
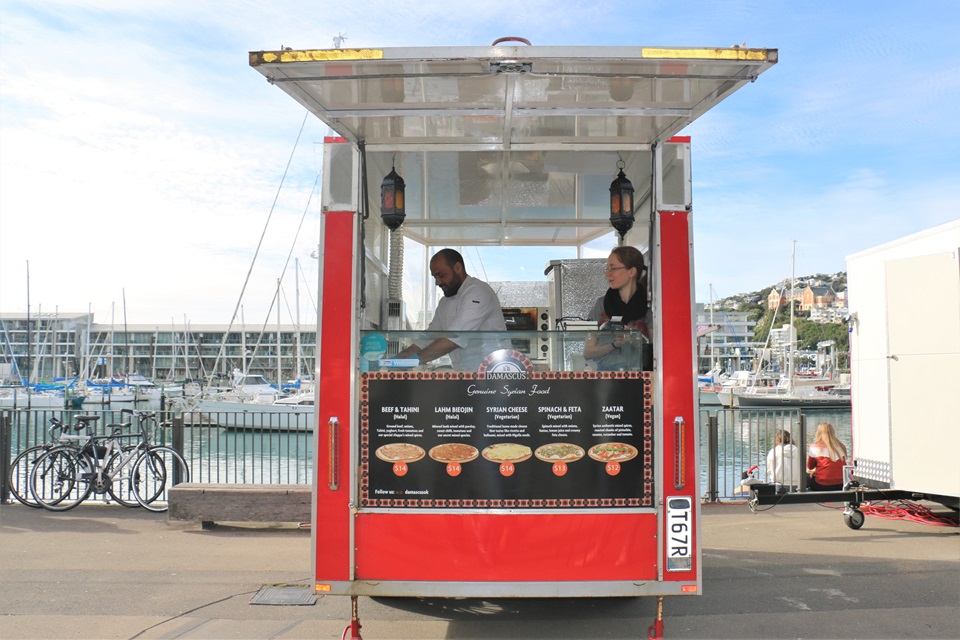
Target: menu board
{"x": 541, "y": 440}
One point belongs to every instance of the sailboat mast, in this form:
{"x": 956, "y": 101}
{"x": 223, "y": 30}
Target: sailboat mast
{"x": 153, "y": 353}
{"x": 296, "y": 281}
{"x": 279, "y": 369}
{"x": 26, "y": 380}
{"x": 713, "y": 348}
{"x": 87, "y": 373}
{"x": 126, "y": 334}
{"x": 792, "y": 339}
{"x": 38, "y": 348}
{"x": 113, "y": 336}
{"x": 56, "y": 365}
{"x": 173, "y": 350}
{"x": 186, "y": 349}
{"x": 243, "y": 340}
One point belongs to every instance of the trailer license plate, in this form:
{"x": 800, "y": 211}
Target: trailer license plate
{"x": 679, "y": 533}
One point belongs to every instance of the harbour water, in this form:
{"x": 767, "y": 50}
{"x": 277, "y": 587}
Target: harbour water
{"x": 745, "y": 436}
{"x": 744, "y": 439}
{"x": 249, "y": 457}
{"x": 216, "y": 454}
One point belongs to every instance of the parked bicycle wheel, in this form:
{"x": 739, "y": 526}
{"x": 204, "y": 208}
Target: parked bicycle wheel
{"x": 121, "y": 488}
{"x": 60, "y": 479}
{"x": 19, "y": 478}
{"x": 156, "y": 471}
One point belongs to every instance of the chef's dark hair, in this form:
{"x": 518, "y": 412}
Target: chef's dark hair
{"x": 452, "y": 257}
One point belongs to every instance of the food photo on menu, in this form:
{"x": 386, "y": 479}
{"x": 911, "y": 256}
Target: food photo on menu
{"x": 400, "y": 452}
{"x": 613, "y": 452}
{"x": 507, "y": 452}
{"x": 559, "y": 452}
{"x": 454, "y": 452}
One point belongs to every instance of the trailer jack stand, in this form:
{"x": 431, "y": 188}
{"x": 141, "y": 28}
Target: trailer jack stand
{"x": 353, "y": 629}
{"x": 655, "y": 631}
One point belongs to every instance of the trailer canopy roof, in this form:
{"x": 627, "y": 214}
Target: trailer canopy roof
{"x": 512, "y": 122}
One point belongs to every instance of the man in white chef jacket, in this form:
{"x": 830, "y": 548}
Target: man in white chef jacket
{"x": 469, "y": 305}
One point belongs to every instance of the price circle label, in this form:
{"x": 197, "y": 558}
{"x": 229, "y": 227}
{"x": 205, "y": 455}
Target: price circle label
{"x": 613, "y": 468}
{"x": 507, "y": 469}
{"x": 559, "y": 469}
{"x": 400, "y": 468}
{"x": 454, "y": 469}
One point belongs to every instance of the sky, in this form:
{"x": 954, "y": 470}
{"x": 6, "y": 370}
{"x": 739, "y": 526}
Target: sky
{"x": 149, "y": 175}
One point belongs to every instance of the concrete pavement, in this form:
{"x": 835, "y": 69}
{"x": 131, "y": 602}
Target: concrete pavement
{"x": 789, "y": 572}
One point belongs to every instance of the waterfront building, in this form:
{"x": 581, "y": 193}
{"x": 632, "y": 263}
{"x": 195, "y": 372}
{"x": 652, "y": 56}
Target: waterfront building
{"x": 731, "y": 345}
{"x": 817, "y": 297}
{"x": 46, "y": 346}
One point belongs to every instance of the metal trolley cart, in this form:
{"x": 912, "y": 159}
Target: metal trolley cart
{"x": 523, "y": 476}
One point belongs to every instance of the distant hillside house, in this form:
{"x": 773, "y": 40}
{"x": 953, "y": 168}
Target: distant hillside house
{"x": 778, "y": 298}
{"x": 774, "y": 300}
{"x": 817, "y": 298}
{"x": 828, "y": 315}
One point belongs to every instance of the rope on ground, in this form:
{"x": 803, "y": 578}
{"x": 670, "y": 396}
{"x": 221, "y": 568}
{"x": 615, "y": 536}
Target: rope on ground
{"x": 184, "y": 614}
{"x": 907, "y": 510}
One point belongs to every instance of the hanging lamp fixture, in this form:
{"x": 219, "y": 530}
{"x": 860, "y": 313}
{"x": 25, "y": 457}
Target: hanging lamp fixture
{"x": 392, "y": 199}
{"x": 621, "y": 201}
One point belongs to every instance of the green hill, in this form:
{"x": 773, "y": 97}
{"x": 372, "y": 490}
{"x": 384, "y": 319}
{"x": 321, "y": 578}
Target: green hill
{"x": 808, "y": 333}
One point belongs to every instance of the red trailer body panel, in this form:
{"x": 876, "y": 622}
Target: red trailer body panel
{"x": 679, "y": 415}
{"x": 331, "y": 524}
{"x": 479, "y": 547}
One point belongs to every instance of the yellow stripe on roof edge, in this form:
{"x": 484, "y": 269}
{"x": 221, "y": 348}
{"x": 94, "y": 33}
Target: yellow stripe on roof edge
{"x": 705, "y": 54}
{"x": 322, "y": 55}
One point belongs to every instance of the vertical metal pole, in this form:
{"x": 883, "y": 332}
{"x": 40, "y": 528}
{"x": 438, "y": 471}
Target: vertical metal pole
{"x": 177, "y": 444}
{"x": 713, "y": 457}
{"x": 655, "y": 631}
{"x": 6, "y": 451}
{"x": 354, "y": 626}
{"x": 803, "y": 450}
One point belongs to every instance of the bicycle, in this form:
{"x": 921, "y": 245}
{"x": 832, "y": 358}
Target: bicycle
{"x": 19, "y": 476}
{"x": 63, "y": 477}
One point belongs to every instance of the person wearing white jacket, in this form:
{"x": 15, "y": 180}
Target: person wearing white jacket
{"x": 784, "y": 465}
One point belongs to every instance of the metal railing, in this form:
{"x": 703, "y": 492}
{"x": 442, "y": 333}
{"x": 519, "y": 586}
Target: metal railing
{"x": 734, "y": 440}
{"x": 264, "y": 448}
{"x": 257, "y": 448}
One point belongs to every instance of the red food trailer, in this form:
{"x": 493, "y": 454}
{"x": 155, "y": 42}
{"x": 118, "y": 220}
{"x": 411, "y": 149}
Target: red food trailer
{"x": 528, "y": 473}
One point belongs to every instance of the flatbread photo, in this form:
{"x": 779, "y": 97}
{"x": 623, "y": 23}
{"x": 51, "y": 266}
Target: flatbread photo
{"x": 454, "y": 452}
{"x": 507, "y": 452}
{"x": 400, "y": 452}
{"x": 559, "y": 452}
{"x": 613, "y": 452}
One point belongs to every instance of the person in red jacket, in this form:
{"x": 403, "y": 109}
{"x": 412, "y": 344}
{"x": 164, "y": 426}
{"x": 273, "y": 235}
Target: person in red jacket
{"x": 826, "y": 458}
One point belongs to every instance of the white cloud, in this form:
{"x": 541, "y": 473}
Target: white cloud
{"x": 139, "y": 153}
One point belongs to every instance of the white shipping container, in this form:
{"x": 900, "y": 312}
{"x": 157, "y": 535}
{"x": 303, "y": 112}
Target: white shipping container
{"x": 905, "y": 363}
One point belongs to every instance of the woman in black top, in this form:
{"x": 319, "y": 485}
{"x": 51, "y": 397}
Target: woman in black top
{"x": 623, "y": 309}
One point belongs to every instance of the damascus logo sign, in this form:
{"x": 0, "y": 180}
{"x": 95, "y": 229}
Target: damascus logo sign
{"x": 505, "y": 364}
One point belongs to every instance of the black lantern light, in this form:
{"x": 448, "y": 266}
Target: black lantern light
{"x": 391, "y": 200}
{"x": 621, "y": 202}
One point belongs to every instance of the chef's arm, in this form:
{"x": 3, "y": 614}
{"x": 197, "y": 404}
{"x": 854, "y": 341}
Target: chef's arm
{"x": 437, "y": 348}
